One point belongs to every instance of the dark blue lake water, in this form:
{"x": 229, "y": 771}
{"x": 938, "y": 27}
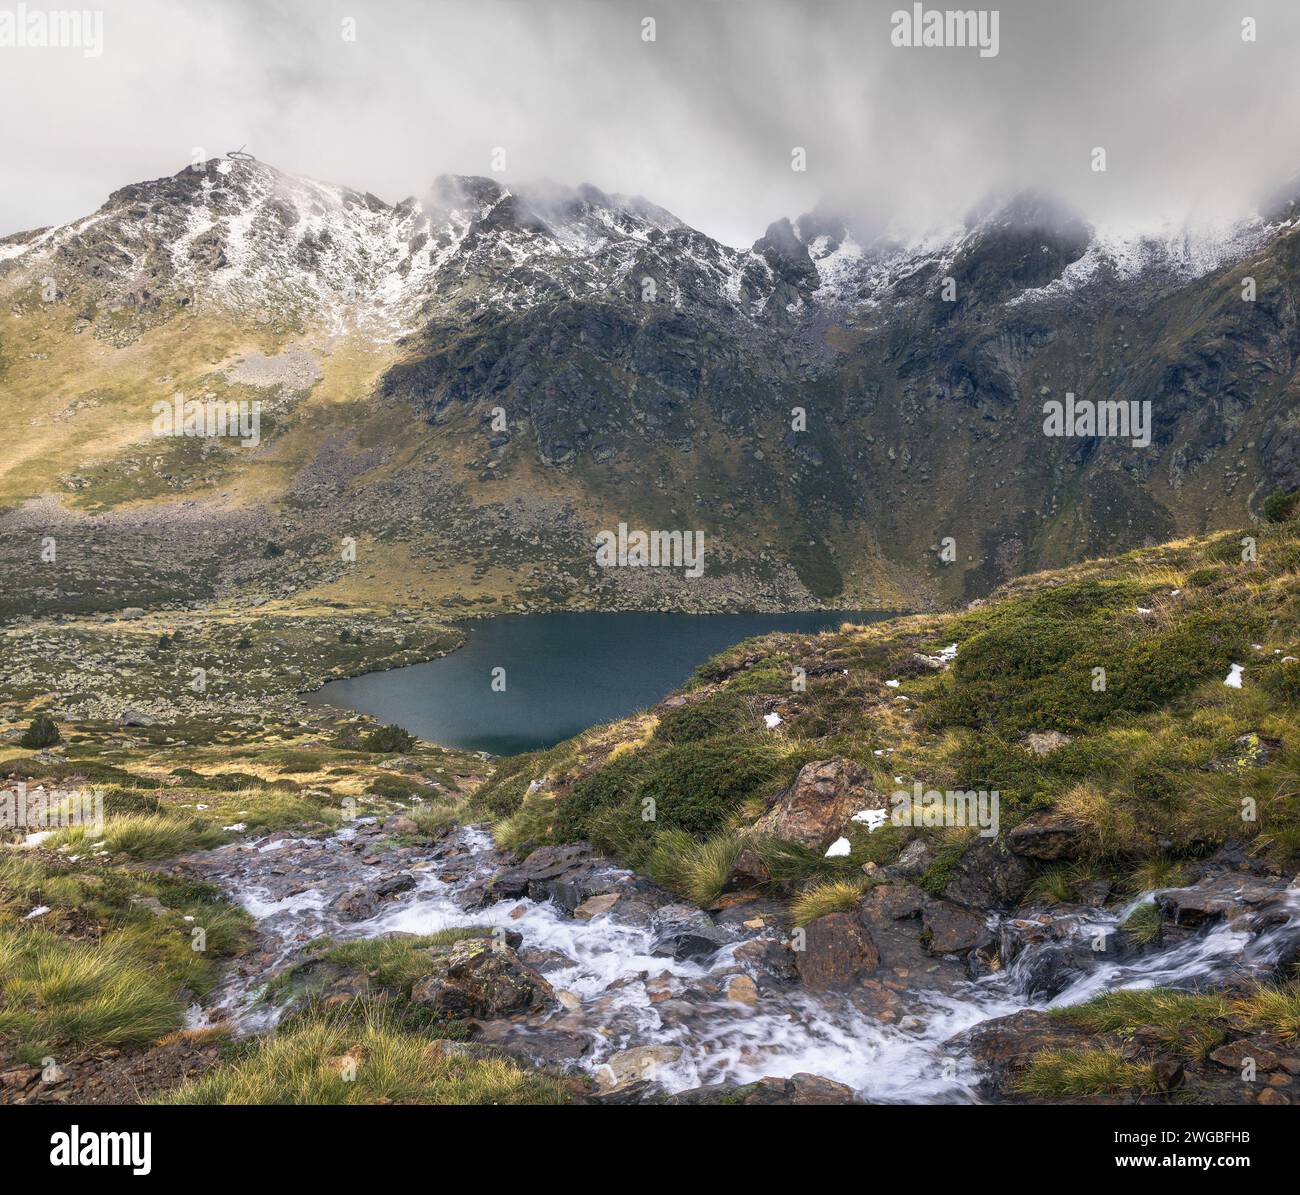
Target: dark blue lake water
{"x": 563, "y": 673}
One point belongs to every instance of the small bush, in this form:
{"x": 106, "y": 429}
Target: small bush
{"x": 41, "y": 732}
{"x": 389, "y": 739}
{"x": 1279, "y": 506}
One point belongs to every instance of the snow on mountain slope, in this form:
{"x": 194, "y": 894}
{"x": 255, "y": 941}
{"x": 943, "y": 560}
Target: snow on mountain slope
{"x": 243, "y": 237}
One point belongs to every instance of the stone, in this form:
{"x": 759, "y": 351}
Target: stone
{"x": 404, "y": 881}
{"x": 640, "y": 1062}
{"x": 478, "y": 978}
{"x": 914, "y": 859}
{"x": 1248, "y": 751}
{"x": 821, "y": 801}
{"x": 838, "y": 952}
{"x": 594, "y": 906}
{"x": 891, "y": 902}
{"x": 1046, "y": 836}
{"x": 747, "y": 872}
{"x": 951, "y": 929}
{"x": 1043, "y": 742}
{"x": 686, "y": 932}
{"x": 1270, "y": 1095}
{"x": 988, "y": 875}
{"x": 741, "y": 989}
{"x": 801, "y": 1088}
{"x": 1236, "y": 1054}
{"x": 1215, "y": 897}
{"x": 358, "y": 905}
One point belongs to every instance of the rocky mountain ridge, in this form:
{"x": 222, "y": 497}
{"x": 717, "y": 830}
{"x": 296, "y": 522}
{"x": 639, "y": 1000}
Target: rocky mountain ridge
{"x": 851, "y": 419}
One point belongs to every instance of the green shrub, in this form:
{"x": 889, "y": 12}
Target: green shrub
{"x": 1279, "y": 506}
{"x": 724, "y": 713}
{"x": 41, "y": 732}
{"x": 388, "y": 739}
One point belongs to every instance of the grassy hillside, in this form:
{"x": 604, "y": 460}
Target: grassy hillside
{"x": 1161, "y": 753}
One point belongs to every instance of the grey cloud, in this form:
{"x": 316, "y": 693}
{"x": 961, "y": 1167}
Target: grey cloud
{"x": 701, "y": 121}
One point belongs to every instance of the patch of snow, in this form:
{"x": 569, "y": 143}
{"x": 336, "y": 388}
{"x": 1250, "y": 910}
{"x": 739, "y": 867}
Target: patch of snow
{"x": 838, "y": 849}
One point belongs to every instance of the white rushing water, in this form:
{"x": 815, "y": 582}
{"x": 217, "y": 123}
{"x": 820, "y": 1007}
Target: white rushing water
{"x": 608, "y": 966}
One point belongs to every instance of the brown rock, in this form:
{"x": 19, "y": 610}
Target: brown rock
{"x": 950, "y": 929}
{"x": 838, "y": 952}
{"x": 480, "y": 978}
{"x": 742, "y": 990}
{"x": 594, "y": 906}
{"x": 817, "y": 806}
{"x": 1235, "y": 1054}
{"x": 1047, "y": 836}
{"x": 891, "y": 902}
{"x": 747, "y": 872}
{"x": 1271, "y": 1095}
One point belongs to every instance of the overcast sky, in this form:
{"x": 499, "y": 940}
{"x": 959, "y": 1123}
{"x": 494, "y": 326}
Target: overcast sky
{"x": 701, "y": 120}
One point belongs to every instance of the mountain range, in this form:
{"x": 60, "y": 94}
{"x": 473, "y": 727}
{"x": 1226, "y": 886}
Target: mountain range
{"x": 470, "y": 386}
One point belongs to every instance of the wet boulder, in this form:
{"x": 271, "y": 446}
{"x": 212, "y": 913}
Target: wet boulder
{"x": 838, "y": 952}
{"x": 801, "y": 1088}
{"x": 989, "y": 875}
{"x": 685, "y": 932}
{"x": 1217, "y": 896}
{"x": 358, "y": 904}
{"x": 481, "y": 978}
{"x": 819, "y": 804}
{"x": 952, "y": 929}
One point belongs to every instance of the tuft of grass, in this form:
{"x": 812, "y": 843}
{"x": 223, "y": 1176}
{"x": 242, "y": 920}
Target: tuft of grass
{"x": 55, "y": 991}
{"x": 1060, "y": 883}
{"x": 1143, "y": 924}
{"x": 1157, "y": 872}
{"x": 696, "y": 869}
{"x": 142, "y": 835}
{"x": 1108, "y": 828}
{"x": 1183, "y": 1021}
{"x": 1062, "y": 1074}
{"x": 1274, "y": 1010}
{"x": 397, "y": 962}
{"x": 331, "y": 1060}
{"x": 836, "y": 896}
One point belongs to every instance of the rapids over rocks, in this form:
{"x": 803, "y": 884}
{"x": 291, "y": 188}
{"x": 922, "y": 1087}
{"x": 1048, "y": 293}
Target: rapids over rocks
{"x": 604, "y": 972}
